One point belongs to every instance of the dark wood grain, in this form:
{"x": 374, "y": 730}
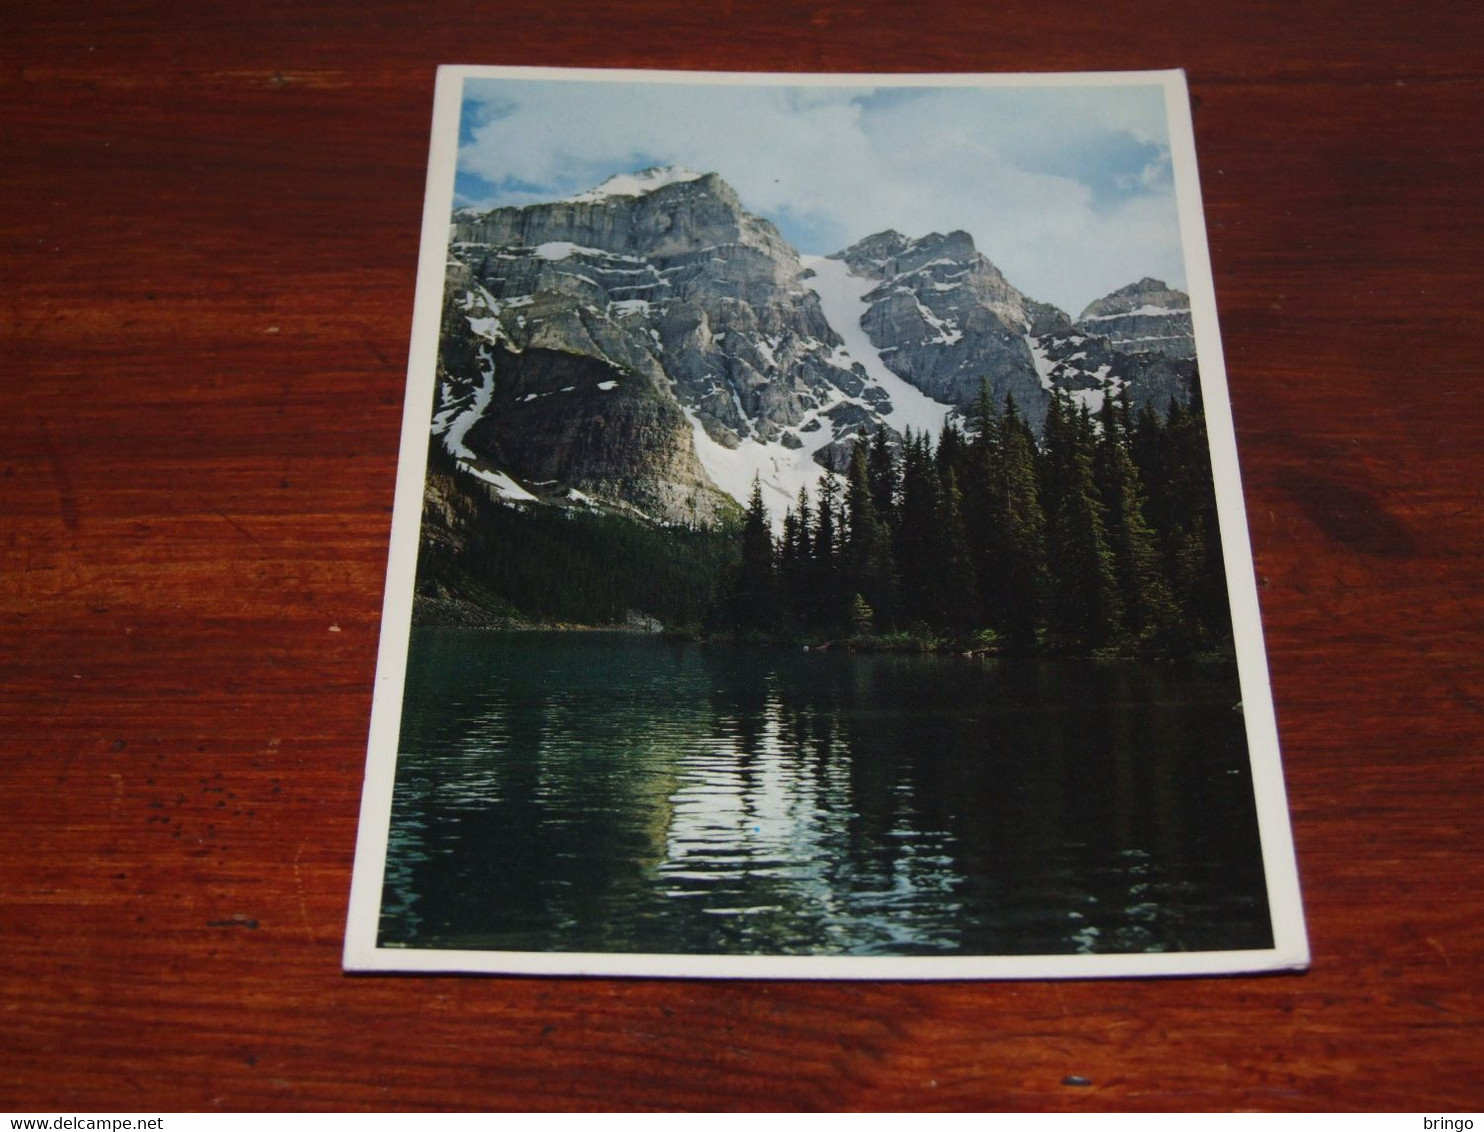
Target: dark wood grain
{"x": 210, "y": 231}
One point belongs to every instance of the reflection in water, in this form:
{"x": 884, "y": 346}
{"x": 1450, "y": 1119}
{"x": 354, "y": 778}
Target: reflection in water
{"x": 591, "y": 792}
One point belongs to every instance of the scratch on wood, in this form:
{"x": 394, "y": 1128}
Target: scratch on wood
{"x": 1438, "y": 947}
{"x": 233, "y": 523}
{"x": 299, "y": 890}
{"x": 234, "y": 922}
{"x": 66, "y": 498}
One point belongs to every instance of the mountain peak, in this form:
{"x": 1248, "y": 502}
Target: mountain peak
{"x": 1145, "y": 317}
{"x": 957, "y": 241}
{"x": 638, "y": 184}
{"x": 661, "y": 211}
{"x": 889, "y": 253}
{"x": 873, "y": 252}
{"x": 1148, "y": 295}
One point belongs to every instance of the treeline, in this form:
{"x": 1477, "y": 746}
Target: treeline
{"x": 1102, "y": 537}
{"x": 546, "y": 565}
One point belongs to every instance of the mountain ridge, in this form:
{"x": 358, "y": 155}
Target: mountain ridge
{"x": 649, "y": 346}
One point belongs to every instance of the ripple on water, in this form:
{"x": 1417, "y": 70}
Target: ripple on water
{"x": 619, "y": 794}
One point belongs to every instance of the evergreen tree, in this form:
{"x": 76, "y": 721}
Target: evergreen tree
{"x": 981, "y": 508}
{"x": 955, "y": 588}
{"x": 952, "y": 453}
{"x": 985, "y": 416}
{"x": 795, "y": 559}
{"x": 1085, "y": 608}
{"x": 826, "y": 601}
{"x": 1194, "y": 544}
{"x": 867, "y": 560}
{"x": 789, "y": 568}
{"x": 755, "y": 603}
{"x": 1015, "y": 591}
{"x": 882, "y": 468}
{"x": 916, "y": 540}
{"x": 1147, "y": 607}
{"x": 1149, "y": 445}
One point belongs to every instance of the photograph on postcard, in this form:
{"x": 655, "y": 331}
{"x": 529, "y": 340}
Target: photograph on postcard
{"x": 818, "y": 545}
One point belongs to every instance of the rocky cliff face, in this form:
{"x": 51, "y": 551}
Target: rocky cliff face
{"x": 1089, "y": 368}
{"x": 693, "y": 303}
{"x": 1146, "y": 317}
{"x": 655, "y": 214}
{"x": 1139, "y": 340}
{"x": 649, "y": 346}
{"x": 945, "y": 319}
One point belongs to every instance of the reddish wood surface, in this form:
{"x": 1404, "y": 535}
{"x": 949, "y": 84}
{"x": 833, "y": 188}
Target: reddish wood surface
{"x": 210, "y": 231}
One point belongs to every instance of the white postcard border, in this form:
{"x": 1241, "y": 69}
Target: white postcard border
{"x": 1290, "y": 949}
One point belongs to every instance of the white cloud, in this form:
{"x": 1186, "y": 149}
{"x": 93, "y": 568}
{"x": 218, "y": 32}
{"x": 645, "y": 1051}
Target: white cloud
{"x": 1065, "y": 189}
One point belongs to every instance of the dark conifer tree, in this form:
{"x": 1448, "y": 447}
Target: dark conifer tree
{"x": 804, "y": 515}
{"x": 1147, "y": 607}
{"x": 789, "y": 569}
{"x": 756, "y": 604}
{"x": 1149, "y": 445}
{"x": 982, "y": 502}
{"x": 952, "y": 453}
{"x": 985, "y": 415}
{"x": 828, "y": 605}
{"x": 867, "y": 560}
{"x": 955, "y": 588}
{"x": 1085, "y": 609}
{"x": 916, "y": 540}
{"x": 1194, "y": 549}
{"x": 1016, "y": 595}
{"x": 882, "y": 466}
{"x": 795, "y": 558}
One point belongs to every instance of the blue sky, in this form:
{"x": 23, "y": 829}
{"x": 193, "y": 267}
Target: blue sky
{"x": 1067, "y": 189}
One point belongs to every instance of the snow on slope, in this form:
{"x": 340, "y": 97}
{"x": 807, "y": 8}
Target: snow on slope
{"x": 782, "y": 471}
{"x": 841, "y": 297}
{"x": 1044, "y": 365}
{"x": 459, "y": 426}
{"x": 1146, "y": 311}
{"x": 636, "y": 184}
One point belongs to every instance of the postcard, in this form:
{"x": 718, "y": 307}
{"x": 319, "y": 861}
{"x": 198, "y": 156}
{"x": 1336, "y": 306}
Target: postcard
{"x": 818, "y": 548}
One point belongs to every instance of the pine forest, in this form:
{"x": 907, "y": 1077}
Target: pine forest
{"x": 1098, "y": 539}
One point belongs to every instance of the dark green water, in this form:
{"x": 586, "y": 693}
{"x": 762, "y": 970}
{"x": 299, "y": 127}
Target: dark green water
{"x": 597, "y": 792}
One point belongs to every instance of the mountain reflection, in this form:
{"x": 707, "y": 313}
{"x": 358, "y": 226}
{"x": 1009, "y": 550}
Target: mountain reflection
{"x": 588, "y": 792}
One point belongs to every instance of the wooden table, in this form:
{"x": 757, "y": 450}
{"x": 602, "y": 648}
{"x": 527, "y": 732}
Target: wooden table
{"x": 210, "y": 234}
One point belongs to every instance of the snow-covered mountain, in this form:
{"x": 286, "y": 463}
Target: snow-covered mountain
{"x": 945, "y": 319}
{"x": 1139, "y": 339}
{"x": 649, "y": 346}
{"x": 1144, "y": 317}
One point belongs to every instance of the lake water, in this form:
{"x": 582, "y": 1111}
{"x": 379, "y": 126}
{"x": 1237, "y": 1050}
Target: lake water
{"x": 618, "y": 793}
